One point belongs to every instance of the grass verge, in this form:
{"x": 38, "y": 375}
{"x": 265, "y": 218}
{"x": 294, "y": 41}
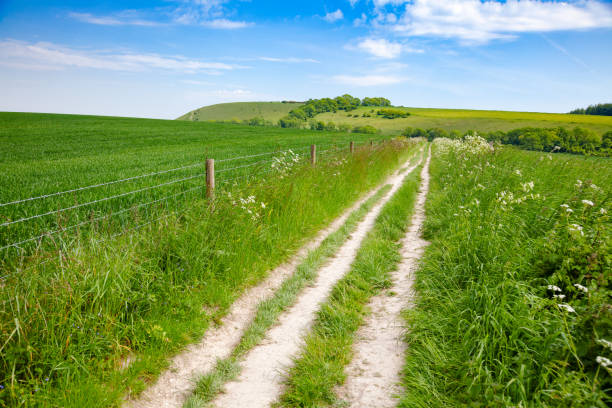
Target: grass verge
{"x": 513, "y": 305}
{"x": 327, "y": 350}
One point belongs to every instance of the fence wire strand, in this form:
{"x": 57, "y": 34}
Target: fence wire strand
{"x": 327, "y": 148}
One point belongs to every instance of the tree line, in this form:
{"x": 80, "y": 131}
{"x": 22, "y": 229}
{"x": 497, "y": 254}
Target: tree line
{"x": 558, "y": 139}
{"x": 313, "y": 107}
{"x": 603, "y": 109}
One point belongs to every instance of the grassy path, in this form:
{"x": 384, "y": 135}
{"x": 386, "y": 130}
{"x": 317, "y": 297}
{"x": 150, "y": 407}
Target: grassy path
{"x": 319, "y": 369}
{"x": 259, "y": 383}
{"x": 372, "y": 380}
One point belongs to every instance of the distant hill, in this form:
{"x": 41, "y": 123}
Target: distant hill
{"x": 447, "y": 119}
{"x": 271, "y": 111}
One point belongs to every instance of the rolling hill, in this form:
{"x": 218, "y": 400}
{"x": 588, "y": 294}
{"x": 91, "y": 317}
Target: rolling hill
{"x": 447, "y": 119}
{"x": 272, "y": 111}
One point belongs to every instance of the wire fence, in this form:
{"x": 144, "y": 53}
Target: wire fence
{"x": 26, "y": 228}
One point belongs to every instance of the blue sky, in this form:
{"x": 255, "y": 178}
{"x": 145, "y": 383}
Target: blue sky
{"x": 163, "y": 58}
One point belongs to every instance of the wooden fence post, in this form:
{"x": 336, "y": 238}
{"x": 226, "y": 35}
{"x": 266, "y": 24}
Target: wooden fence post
{"x": 313, "y": 154}
{"x": 210, "y": 178}
{"x": 352, "y": 147}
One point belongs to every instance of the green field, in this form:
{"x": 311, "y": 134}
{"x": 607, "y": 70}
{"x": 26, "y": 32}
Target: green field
{"x": 44, "y": 153}
{"x": 272, "y": 111}
{"x": 447, "y": 119}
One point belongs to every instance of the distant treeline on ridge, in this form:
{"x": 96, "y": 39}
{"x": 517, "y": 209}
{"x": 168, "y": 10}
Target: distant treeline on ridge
{"x": 603, "y": 109}
{"x": 313, "y": 107}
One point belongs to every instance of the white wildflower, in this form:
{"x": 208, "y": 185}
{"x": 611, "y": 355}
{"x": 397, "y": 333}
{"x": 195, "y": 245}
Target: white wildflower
{"x": 517, "y": 172}
{"x": 263, "y": 205}
{"x": 576, "y": 228}
{"x": 603, "y": 361}
{"x": 602, "y": 210}
{"x": 564, "y": 206}
{"x": 559, "y": 297}
{"x": 527, "y": 187}
{"x": 607, "y": 344}
{"x": 566, "y": 307}
{"x": 554, "y": 288}
{"x": 476, "y": 202}
{"x": 578, "y": 183}
{"x": 588, "y": 202}
{"x": 581, "y": 288}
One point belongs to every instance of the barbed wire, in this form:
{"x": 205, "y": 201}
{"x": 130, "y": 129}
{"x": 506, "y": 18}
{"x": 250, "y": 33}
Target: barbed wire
{"x": 101, "y": 184}
{"x": 123, "y": 211}
{"x": 99, "y": 200}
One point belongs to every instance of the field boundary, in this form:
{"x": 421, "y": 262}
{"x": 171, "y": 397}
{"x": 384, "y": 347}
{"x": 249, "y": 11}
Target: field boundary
{"x": 230, "y": 175}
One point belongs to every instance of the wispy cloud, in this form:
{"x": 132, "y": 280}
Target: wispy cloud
{"x": 333, "y": 16}
{"x": 476, "y": 21}
{"x": 225, "y": 24}
{"x": 206, "y": 13}
{"x": 290, "y": 60}
{"x": 368, "y": 80}
{"x": 53, "y": 57}
{"x": 111, "y": 20}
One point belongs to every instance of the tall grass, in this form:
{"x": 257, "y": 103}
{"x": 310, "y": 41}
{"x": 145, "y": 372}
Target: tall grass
{"x": 500, "y": 318}
{"x": 67, "y": 327}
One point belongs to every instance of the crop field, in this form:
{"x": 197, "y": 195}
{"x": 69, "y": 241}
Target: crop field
{"x": 45, "y": 154}
{"x": 447, "y": 119}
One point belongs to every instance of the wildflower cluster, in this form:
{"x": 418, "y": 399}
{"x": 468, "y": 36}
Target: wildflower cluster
{"x": 469, "y": 145}
{"x": 249, "y": 205}
{"x": 507, "y": 198}
{"x": 285, "y": 162}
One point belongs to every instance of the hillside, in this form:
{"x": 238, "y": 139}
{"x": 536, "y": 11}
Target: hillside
{"x": 447, "y": 119}
{"x": 272, "y": 111}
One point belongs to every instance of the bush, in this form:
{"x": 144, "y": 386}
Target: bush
{"x": 365, "y": 129}
{"x": 388, "y": 113}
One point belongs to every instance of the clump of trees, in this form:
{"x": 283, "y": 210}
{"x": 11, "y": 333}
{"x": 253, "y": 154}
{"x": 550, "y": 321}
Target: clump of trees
{"x": 389, "y": 113}
{"x": 313, "y": 107}
{"x": 603, "y": 109}
{"x": 375, "y": 102}
{"x": 559, "y": 139}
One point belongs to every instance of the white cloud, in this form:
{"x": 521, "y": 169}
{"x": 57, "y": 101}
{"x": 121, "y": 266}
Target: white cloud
{"x": 53, "y": 57}
{"x": 358, "y": 22}
{"x": 353, "y": 2}
{"x": 207, "y": 13}
{"x": 368, "y": 80}
{"x": 334, "y": 16}
{"x": 111, "y": 20}
{"x": 290, "y": 60}
{"x": 380, "y": 48}
{"x": 225, "y": 24}
{"x": 476, "y": 21}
